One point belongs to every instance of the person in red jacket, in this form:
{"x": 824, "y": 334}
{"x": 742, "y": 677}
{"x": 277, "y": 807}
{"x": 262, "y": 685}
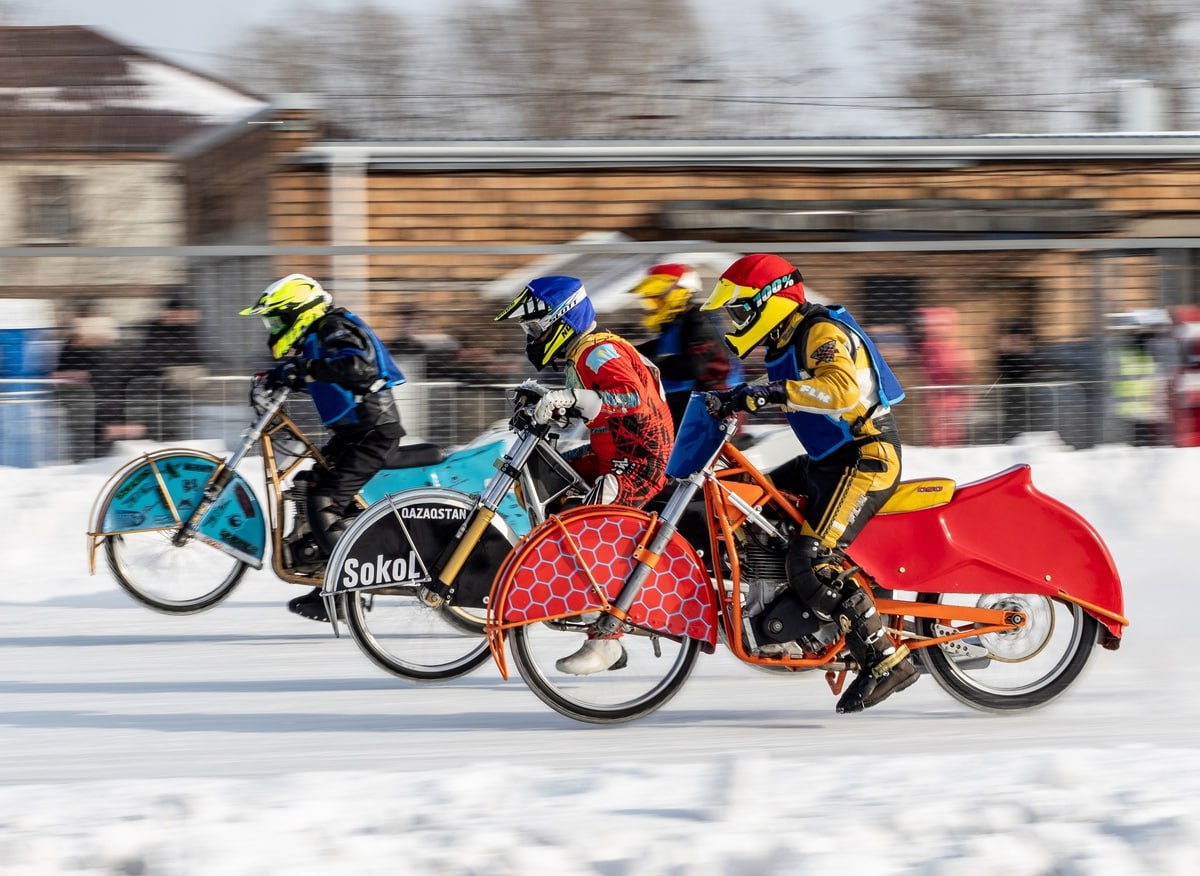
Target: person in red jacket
{"x": 618, "y": 394}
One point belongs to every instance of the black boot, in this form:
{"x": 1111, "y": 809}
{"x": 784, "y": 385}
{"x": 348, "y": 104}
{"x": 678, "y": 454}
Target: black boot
{"x": 312, "y": 606}
{"x": 884, "y": 667}
{"x": 328, "y": 521}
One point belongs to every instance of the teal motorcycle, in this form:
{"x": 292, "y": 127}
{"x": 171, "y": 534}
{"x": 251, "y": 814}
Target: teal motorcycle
{"x": 179, "y": 527}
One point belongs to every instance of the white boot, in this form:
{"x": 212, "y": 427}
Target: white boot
{"x": 596, "y": 655}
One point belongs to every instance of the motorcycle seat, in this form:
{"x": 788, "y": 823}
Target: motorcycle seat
{"x": 414, "y": 455}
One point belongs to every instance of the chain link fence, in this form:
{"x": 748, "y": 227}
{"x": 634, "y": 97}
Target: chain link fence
{"x": 992, "y": 339}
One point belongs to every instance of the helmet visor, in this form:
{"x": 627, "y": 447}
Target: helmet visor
{"x": 536, "y": 318}
{"x": 655, "y": 286}
{"x": 741, "y": 313}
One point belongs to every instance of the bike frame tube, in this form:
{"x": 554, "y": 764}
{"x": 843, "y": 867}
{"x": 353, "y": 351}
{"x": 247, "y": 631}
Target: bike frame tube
{"x": 509, "y": 466}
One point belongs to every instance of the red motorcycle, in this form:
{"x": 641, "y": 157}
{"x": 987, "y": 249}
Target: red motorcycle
{"x": 1006, "y": 589}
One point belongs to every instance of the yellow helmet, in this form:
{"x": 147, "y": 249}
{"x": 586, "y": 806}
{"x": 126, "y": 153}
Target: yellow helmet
{"x": 758, "y": 292}
{"x": 665, "y": 292}
{"x": 288, "y": 308}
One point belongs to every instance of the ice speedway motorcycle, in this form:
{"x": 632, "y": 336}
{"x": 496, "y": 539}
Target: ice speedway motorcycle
{"x": 412, "y": 573}
{"x": 180, "y": 526}
{"x": 1010, "y": 590}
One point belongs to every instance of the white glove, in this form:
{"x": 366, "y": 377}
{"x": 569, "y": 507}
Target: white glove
{"x": 563, "y": 403}
{"x": 532, "y": 387}
{"x": 553, "y": 405}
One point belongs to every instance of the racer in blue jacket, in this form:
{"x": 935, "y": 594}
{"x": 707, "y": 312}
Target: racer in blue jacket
{"x": 339, "y": 361}
{"x": 836, "y": 391}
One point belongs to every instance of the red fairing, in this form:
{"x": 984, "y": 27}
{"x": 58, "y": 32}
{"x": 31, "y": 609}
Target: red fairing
{"x": 565, "y": 559}
{"x": 997, "y": 535}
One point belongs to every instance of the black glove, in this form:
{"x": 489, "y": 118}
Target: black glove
{"x": 758, "y": 394}
{"x": 746, "y": 397}
{"x": 720, "y": 403}
{"x": 287, "y": 374}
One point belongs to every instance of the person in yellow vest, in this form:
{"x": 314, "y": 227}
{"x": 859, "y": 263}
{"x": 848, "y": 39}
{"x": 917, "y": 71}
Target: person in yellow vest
{"x": 1137, "y": 391}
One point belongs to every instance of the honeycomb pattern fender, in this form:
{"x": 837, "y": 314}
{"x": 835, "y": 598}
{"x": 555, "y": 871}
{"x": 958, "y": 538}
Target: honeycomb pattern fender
{"x": 577, "y": 562}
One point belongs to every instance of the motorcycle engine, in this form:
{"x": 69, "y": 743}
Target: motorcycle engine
{"x": 774, "y": 618}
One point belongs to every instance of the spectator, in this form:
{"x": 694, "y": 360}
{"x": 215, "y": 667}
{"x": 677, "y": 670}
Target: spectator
{"x": 171, "y": 344}
{"x": 947, "y": 367}
{"x": 1138, "y": 390}
{"x": 95, "y": 370}
{"x": 1015, "y": 364}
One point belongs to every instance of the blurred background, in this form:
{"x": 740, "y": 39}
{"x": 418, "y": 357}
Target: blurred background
{"x": 1007, "y": 196}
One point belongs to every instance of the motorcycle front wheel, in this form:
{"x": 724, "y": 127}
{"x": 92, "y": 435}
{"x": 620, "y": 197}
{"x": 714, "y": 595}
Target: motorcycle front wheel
{"x": 171, "y": 578}
{"x": 1015, "y": 669}
{"x": 651, "y": 671}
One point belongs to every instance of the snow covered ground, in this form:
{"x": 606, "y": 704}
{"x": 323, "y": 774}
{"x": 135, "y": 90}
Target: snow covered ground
{"x": 245, "y": 740}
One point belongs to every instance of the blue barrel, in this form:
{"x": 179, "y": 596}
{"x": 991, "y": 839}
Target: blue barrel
{"x": 27, "y": 432}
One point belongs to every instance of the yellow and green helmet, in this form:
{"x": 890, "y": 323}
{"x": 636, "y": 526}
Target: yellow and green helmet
{"x": 288, "y": 308}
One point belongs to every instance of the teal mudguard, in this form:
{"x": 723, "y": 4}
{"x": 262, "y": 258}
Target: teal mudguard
{"x": 467, "y": 470}
{"x": 162, "y": 490}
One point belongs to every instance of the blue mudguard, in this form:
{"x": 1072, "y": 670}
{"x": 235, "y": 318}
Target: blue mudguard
{"x": 161, "y": 490}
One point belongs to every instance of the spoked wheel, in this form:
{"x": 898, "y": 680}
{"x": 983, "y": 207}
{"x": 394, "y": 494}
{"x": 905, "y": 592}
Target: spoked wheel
{"x": 655, "y": 669}
{"x": 176, "y": 579}
{"x": 1017, "y": 669}
{"x": 403, "y": 537}
{"x": 405, "y": 637}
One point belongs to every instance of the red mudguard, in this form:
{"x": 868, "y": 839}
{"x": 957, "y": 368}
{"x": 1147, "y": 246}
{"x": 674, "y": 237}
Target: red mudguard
{"x": 562, "y": 567}
{"x": 996, "y": 535}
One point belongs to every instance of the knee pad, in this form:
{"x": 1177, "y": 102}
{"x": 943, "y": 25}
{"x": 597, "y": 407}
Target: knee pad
{"x": 820, "y": 593}
{"x": 328, "y": 521}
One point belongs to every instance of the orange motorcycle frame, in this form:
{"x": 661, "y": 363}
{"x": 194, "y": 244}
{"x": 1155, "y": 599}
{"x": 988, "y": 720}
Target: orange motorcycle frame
{"x": 596, "y": 548}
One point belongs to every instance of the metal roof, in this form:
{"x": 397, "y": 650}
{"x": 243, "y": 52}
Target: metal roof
{"x": 781, "y": 152}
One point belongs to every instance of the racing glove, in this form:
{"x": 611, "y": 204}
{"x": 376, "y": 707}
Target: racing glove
{"x": 288, "y": 374}
{"x": 745, "y": 397}
{"x": 564, "y": 403}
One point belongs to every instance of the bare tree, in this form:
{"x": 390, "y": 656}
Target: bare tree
{"x": 975, "y": 66}
{"x": 1117, "y": 40}
{"x": 553, "y": 68}
{"x": 12, "y": 12}
{"x": 360, "y": 57}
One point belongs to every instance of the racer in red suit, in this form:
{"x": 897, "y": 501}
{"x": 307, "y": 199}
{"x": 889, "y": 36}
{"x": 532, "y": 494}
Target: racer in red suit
{"x": 618, "y": 394}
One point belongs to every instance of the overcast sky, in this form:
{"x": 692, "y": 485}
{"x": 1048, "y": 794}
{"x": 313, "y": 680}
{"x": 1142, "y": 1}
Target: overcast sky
{"x": 196, "y": 33}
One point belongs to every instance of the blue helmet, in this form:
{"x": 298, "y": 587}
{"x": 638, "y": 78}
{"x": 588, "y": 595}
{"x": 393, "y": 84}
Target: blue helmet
{"x": 552, "y": 311}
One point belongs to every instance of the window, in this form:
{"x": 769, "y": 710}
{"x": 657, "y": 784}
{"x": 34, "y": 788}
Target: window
{"x": 49, "y": 209}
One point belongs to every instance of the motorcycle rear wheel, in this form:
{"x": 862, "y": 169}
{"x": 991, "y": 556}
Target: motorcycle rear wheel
{"x": 655, "y": 670}
{"x": 1015, "y": 670}
{"x": 174, "y": 579}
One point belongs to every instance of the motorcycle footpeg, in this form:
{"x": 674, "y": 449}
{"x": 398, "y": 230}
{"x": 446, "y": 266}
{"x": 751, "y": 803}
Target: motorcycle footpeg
{"x": 432, "y": 595}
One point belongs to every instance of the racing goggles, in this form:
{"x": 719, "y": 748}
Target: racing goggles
{"x": 536, "y": 319}
{"x": 275, "y": 324}
{"x": 740, "y": 303}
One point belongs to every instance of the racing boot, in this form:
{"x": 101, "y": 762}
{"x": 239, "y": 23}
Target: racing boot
{"x": 328, "y": 521}
{"x": 328, "y": 524}
{"x": 312, "y": 606}
{"x": 884, "y": 667}
{"x": 595, "y": 655}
